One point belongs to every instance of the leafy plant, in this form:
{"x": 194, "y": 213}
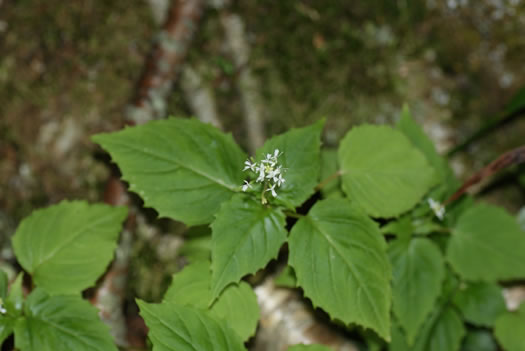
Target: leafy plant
{"x": 368, "y": 241}
{"x": 64, "y": 248}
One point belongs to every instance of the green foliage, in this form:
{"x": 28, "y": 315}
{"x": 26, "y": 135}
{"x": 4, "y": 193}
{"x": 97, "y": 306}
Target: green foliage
{"x": 182, "y": 168}
{"x": 308, "y": 348}
{"x": 416, "y": 135}
{"x": 286, "y": 278}
{"x": 382, "y": 171}
{"x": 245, "y": 236}
{"x": 339, "y": 257}
{"x": 300, "y": 158}
{"x": 3, "y": 284}
{"x": 479, "y": 340}
{"x": 329, "y": 167}
{"x": 14, "y": 302}
{"x": 418, "y": 272}
{"x": 236, "y": 306}
{"x": 510, "y": 329}
{"x": 487, "y": 244}
{"x": 66, "y": 247}
{"x": 398, "y": 291}
{"x": 60, "y": 322}
{"x": 174, "y": 327}
{"x": 444, "y": 330}
{"x": 480, "y": 303}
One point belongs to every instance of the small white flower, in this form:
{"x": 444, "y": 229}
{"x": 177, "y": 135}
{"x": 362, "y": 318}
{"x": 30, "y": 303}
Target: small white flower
{"x": 2, "y": 309}
{"x": 272, "y": 189}
{"x": 246, "y": 186}
{"x": 280, "y": 180}
{"x": 249, "y": 165}
{"x": 260, "y": 170}
{"x": 273, "y": 173}
{"x": 439, "y": 209}
{"x": 270, "y": 160}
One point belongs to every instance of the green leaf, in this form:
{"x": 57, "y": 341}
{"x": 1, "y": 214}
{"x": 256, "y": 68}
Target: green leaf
{"x": 480, "y": 303}
{"x": 66, "y": 247}
{"x": 237, "y": 305}
{"x": 53, "y": 323}
{"x": 245, "y": 237}
{"x": 14, "y": 303}
{"x": 447, "y": 332}
{"x": 479, "y": 340}
{"x": 174, "y": 327}
{"x": 402, "y": 227}
{"x": 329, "y": 167}
{"x": 196, "y": 249}
{"x": 521, "y": 218}
{"x": 4, "y": 283}
{"x": 312, "y": 347}
{"x": 420, "y": 140}
{"x": 182, "y": 168}
{"x": 509, "y": 330}
{"x": 487, "y": 244}
{"x": 6, "y": 327}
{"x": 301, "y": 158}
{"x": 417, "y": 275}
{"x": 339, "y": 257}
{"x": 382, "y": 172}
{"x": 286, "y": 278}
{"x": 443, "y": 331}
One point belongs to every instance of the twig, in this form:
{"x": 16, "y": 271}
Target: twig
{"x": 164, "y": 62}
{"x": 328, "y": 180}
{"x": 509, "y": 158}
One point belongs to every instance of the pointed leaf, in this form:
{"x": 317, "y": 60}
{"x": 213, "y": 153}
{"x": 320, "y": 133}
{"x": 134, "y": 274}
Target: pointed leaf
{"x": 14, "y": 302}
{"x": 509, "y": 330}
{"x": 182, "y": 168}
{"x": 480, "y": 303}
{"x": 61, "y": 323}
{"x": 66, "y": 247}
{"x": 7, "y": 324}
{"x": 443, "y": 331}
{"x": 329, "y": 167}
{"x": 301, "y": 158}
{"x": 183, "y": 328}
{"x": 245, "y": 237}
{"x": 420, "y": 140}
{"x": 487, "y": 244}
{"x": 339, "y": 258}
{"x": 447, "y": 333}
{"x": 382, "y": 172}
{"x": 237, "y": 305}
{"x": 417, "y": 274}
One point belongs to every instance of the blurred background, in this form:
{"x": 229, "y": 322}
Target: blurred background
{"x": 70, "y": 69}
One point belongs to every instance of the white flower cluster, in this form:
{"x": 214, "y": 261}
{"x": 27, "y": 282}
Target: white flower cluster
{"x": 268, "y": 172}
{"x": 439, "y": 209}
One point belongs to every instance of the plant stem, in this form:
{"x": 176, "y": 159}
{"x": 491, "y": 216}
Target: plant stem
{"x": 293, "y": 214}
{"x": 328, "y": 180}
